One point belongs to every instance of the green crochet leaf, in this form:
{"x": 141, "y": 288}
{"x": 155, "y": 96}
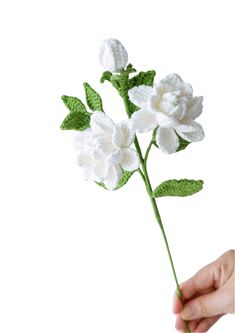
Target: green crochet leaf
{"x": 78, "y": 121}
{"x": 93, "y": 99}
{"x": 146, "y": 78}
{"x": 123, "y": 180}
{"x": 74, "y": 104}
{"x": 178, "y": 188}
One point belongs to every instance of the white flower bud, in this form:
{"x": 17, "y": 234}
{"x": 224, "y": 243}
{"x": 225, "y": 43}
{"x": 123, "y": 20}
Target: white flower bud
{"x": 112, "y": 55}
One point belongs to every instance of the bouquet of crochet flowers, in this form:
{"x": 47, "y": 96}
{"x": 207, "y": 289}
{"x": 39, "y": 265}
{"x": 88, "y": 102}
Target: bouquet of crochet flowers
{"x": 167, "y": 108}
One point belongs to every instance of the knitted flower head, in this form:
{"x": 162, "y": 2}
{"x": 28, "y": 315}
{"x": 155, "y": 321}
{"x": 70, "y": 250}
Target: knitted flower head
{"x": 110, "y": 153}
{"x": 104, "y": 150}
{"x": 170, "y": 107}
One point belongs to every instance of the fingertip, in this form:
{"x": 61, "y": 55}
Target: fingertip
{"x": 189, "y": 312}
{"x": 193, "y": 324}
{"x": 188, "y": 288}
{"x": 184, "y": 315}
{"x": 180, "y": 323}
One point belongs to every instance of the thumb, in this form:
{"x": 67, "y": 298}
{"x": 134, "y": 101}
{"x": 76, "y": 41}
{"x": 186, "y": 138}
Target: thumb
{"x": 207, "y": 305}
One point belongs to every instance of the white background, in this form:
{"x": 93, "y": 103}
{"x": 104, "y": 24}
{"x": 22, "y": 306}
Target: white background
{"x": 77, "y": 258}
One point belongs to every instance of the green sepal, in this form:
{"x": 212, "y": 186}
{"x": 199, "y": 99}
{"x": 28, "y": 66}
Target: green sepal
{"x": 120, "y": 82}
{"x": 132, "y": 107}
{"x": 129, "y": 69}
{"x": 178, "y": 188}
{"x": 123, "y": 83}
{"x": 183, "y": 143}
{"x": 93, "y": 99}
{"x": 154, "y": 137}
{"x": 146, "y": 78}
{"x": 126, "y": 175}
{"x": 74, "y": 104}
{"x": 78, "y": 121}
{"x": 106, "y": 76}
{"x": 109, "y": 76}
{"x": 115, "y": 79}
{"x": 122, "y": 181}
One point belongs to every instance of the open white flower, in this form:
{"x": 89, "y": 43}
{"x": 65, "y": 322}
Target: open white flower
{"x": 104, "y": 149}
{"x": 170, "y": 106}
{"x": 112, "y": 55}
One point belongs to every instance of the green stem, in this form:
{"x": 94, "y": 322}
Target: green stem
{"x": 145, "y": 177}
{"x": 141, "y": 173}
{"x": 158, "y": 218}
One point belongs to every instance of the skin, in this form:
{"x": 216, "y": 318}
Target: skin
{"x": 208, "y": 295}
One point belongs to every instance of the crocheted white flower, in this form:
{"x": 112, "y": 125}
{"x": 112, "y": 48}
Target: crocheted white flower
{"x": 112, "y": 55}
{"x": 104, "y": 150}
{"x": 171, "y": 107}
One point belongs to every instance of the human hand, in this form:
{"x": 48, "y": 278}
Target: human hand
{"x": 208, "y": 295}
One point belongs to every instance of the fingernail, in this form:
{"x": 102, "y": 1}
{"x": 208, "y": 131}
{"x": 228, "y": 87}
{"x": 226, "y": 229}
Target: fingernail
{"x": 187, "y": 312}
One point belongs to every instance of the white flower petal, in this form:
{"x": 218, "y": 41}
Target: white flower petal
{"x": 187, "y": 126}
{"x": 112, "y": 55}
{"x": 165, "y": 121}
{"x": 115, "y": 157}
{"x": 173, "y": 80}
{"x": 99, "y": 170}
{"x": 130, "y": 159}
{"x": 196, "y": 108}
{"x": 84, "y": 160}
{"x": 101, "y": 123}
{"x": 104, "y": 146}
{"x": 143, "y": 121}
{"x": 88, "y": 174}
{"x": 82, "y": 138}
{"x": 123, "y": 134}
{"x": 187, "y": 89}
{"x": 140, "y": 95}
{"x": 166, "y": 104}
{"x": 167, "y": 140}
{"x": 176, "y": 84}
{"x": 190, "y": 131}
{"x": 113, "y": 176}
